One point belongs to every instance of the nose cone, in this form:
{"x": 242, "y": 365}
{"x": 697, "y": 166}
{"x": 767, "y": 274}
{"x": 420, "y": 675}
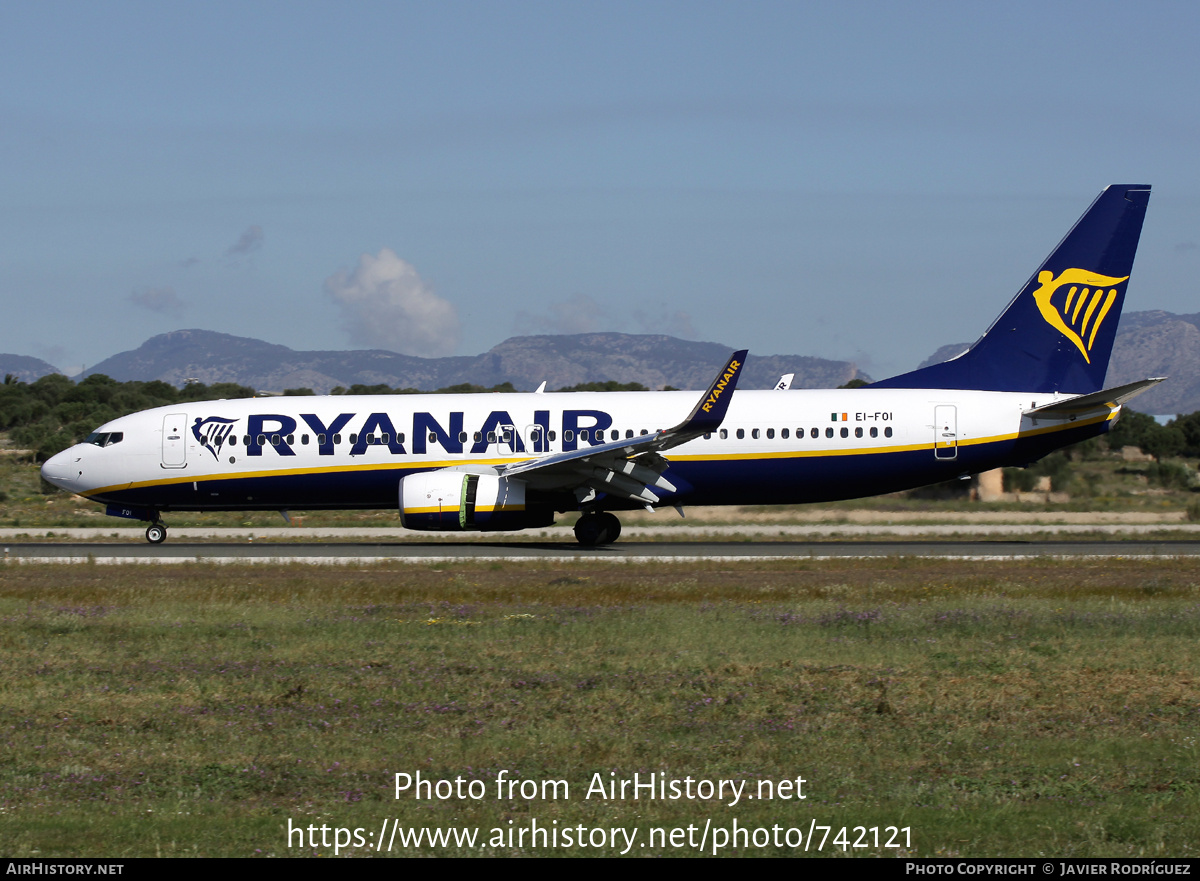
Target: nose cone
{"x": 64, "y": 469}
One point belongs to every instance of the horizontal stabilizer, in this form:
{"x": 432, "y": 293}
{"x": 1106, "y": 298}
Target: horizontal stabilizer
{"x": 1112, "y": 397}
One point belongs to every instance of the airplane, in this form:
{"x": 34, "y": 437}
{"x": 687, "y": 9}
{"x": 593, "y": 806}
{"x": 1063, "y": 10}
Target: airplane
{"x": 1033, "y": 383}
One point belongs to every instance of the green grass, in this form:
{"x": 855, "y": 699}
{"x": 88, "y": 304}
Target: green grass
{"x": 995, "y": 708}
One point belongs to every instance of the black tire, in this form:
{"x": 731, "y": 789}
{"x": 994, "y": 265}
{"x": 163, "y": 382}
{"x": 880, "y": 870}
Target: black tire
{"x": 612, "y": 527}
{"x": 594, "y": 530}
{"x": 156, "y": 533}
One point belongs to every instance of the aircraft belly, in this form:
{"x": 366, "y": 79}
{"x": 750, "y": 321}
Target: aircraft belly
{"x": 800, "y": 479}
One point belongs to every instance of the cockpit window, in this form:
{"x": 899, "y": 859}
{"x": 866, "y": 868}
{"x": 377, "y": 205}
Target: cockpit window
{"x": 104, "y": 438}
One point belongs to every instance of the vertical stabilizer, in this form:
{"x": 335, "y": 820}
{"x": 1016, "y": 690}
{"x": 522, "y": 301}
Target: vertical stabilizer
{"x": 1057, "y": 333}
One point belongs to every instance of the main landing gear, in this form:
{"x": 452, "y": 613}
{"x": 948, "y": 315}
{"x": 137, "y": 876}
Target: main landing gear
{"x": 156, "y": 533}
{"x": 597, "y": 529}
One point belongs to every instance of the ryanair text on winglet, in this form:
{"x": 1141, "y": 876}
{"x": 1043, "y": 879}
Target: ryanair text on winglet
{"x": 719, "y": 387}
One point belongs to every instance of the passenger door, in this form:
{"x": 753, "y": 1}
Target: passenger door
{"x": 174, "y": 441}
{"x": 945, "y": 431}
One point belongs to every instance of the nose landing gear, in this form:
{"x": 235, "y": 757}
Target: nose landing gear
{"x": 594, "y": 530}
{"x": 156, "y": 533}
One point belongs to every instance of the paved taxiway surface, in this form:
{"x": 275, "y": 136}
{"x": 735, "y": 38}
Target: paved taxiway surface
{"x": 628, "y": 552}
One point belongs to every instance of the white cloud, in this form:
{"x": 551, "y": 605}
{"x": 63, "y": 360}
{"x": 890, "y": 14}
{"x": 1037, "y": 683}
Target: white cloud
{"x": 161, "y": 300}
{"x": 386, "y": 305}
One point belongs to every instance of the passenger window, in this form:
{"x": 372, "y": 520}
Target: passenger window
{"x": 858, "y": 432}
{"x": 845, "y": 432}
{"x": 274, "y": 440}
{"x": 813, "y": 432}
{"x": 828, "y": 432}
{"x": 887, "y": 432}
{"x": 291, "y": 439}
{"x": 708, "y": 435}
{"x": 462, "y": 437}
{"x": 246, "y": 440}
{"x": 432, "y": 438}
{"x": 783, "y": 433}
{"x": 754, "y": 433}
{"x": 724, "y": 434}
{"x": 478, "y": 437}
{"x": 643, "y": 431}
{"x": 628, "y": 433}
{"x": 491, "y": 437}
{"x": 304, "y": 440}
{"x": 337, "y": 439}
{"x": 568, "y": 436}
{"x": 262, "y": 440}
{"x": 384, "y": 438}
{"x": 233, "y": 440}
{"x": 583, "y": 435}
{"x": 874, "y": 432}
{"x": 741, "y": 434}
{"x": 320, "y": 440}
{"x": 554, "y": 435}
{"x": 770, "y": 433}
{"x": 354, "y": 438}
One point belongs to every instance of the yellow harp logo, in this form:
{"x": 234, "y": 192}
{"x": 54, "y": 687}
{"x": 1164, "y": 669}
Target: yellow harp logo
{"x": 1079, "y": 313}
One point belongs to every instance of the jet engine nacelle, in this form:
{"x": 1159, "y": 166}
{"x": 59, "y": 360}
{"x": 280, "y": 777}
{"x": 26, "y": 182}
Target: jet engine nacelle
{"x": 457, "y": 501}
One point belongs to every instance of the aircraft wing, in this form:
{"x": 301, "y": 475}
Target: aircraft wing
{"x": 631, "y": 468}
{"x": 1110, "y": 397}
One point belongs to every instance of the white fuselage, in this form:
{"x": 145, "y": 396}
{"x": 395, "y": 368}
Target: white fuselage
{"x": 349, "y": 452}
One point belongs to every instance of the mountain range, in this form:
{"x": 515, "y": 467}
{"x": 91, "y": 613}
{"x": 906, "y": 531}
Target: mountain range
{"x": 1151, "y": 343}
{"x": 25, "y": 368}
{"x": 560, "y": 361}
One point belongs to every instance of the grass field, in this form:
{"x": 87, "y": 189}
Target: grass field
{"x": 1023, "y": 708}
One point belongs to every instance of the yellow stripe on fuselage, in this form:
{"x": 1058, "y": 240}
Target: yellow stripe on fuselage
{"x": 479, "y": 509}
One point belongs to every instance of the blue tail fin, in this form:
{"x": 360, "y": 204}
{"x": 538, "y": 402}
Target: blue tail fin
{"x": 1057, "y": 333}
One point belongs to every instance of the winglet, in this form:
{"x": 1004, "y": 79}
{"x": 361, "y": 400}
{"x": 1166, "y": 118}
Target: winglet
{"x": 630, "y": 468}
{"x": 709, "y": 412}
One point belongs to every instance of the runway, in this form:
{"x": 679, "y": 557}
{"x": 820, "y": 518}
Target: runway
{"x": 368, "y": 552}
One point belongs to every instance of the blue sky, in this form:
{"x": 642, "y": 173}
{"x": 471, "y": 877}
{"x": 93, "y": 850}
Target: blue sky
{"x": 849, "y": 180}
